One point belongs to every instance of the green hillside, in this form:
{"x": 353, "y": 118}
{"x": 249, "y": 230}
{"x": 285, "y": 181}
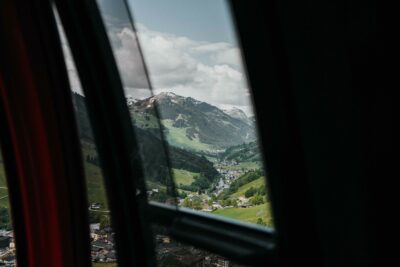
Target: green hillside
{"x": 179, "y": 137}
{"x": 143, "y": 120}
{"x": 241, "y": 183}
{"x": 94, "y": 180}
{"x": 242, "y": 153}
{"x": 189, "y": 125}
{"x": 150, "y": 146}
{"x": 246, "y": 165}
{"x": 2, "y": 175}
{"x": 95, "y": 185}
{"x": 192, "y": 124}
{"x": 255, "y": 184}
{"x": 250, "y": 215}
{"x": 3, "y": 185}
{"x": 4, "y": 198}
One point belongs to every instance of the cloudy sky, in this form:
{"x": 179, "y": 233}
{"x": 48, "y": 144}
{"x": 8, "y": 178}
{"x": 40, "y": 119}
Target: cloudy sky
{"x": 189, "y": 48}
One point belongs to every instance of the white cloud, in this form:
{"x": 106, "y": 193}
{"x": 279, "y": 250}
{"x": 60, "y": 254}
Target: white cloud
{"x": 229, "y": 56}
{"x": 207, "y": 71}
{"x": 211, "y": 47}
{"x": 210, "y": 72}
{"x": 129, "y": 59}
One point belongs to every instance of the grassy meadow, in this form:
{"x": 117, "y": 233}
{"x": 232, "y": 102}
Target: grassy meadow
{"x": 250, "y": 215}
{"x": 183, "y": 177}
{"x": 177, "y": 137}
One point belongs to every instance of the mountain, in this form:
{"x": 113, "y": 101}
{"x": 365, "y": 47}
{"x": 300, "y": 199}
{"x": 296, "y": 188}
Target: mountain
{"x": 192, "y": 124}
{"x": 155, "y": 161}
{"x": 240, "y": 115}
{"x": 243, "y": 152}
{"x": 151, "y": 150}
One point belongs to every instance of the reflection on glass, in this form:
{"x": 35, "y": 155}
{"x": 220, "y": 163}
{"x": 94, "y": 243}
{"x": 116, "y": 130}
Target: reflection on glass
{"x": 7, "y": 243}
{"x": 171, "y": 253}
{"x": 101, "y": 233}
{"x": 148, "y": 130}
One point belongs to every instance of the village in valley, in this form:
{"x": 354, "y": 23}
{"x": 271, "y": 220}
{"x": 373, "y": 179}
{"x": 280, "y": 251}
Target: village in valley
{"x": 229, "y": 172}
{"x": 102, "y": 244}
{"x": 169, "y": 251}
{"x": 218, "y": 198}
{"x": 232, "y": 194}
{"x": 227, "y": 182}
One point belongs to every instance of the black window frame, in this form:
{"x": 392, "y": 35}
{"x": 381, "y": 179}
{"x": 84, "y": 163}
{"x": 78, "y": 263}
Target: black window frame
{"x": 282, "y": 35}
{"x": 115, "y": 139}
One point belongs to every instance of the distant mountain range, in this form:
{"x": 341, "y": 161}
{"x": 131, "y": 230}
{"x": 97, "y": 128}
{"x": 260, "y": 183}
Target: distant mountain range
{"x": 192, "y": 124}
{"x": 151, "y": 148}
{"x": 240, "y": 115}
{"x": 190, "y": 127}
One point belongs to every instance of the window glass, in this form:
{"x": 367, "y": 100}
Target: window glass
{"x": 101, "y": 233}
{"x": 7, "y": 244}
{"x": 205, "y": 105}
{"x": 194, "y": 97}
{"x": 150, "y": 133}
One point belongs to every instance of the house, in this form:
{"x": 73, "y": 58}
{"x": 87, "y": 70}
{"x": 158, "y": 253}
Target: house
{"x": 111, "y": 256}
{"x": 9, "y": 261}
{"x": 95, "y": 206}
{"x": 101, "y": 245}
{"x": 94, "y": 227}
{"x": 216, "y": 206}
{"x": 5, "y": 241}
{"x": 94, "y": 236}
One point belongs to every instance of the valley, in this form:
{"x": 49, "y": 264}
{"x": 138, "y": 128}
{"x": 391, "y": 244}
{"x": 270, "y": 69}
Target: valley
{"x": 203, "y": 170}
{"x": 209, "y": 175}
{"x": 239, "y": 194}
{"x": 226, "y": 138}
{"x": 212, "y": 160}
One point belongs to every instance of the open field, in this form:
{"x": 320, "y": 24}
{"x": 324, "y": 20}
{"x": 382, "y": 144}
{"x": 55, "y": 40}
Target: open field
{"x": 183, "y": 177}
{"x": 94, "y": 178}
{"x": 250, "y": 215}
{"x": 95, "y": 185}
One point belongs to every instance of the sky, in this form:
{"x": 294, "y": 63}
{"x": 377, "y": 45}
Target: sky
{"x": 189, "y": 48}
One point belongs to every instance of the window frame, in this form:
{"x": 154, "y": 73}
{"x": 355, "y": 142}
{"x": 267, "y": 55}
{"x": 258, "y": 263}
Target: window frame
{"x": 114, "y": 137}
{"x": 280, "y": 35}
